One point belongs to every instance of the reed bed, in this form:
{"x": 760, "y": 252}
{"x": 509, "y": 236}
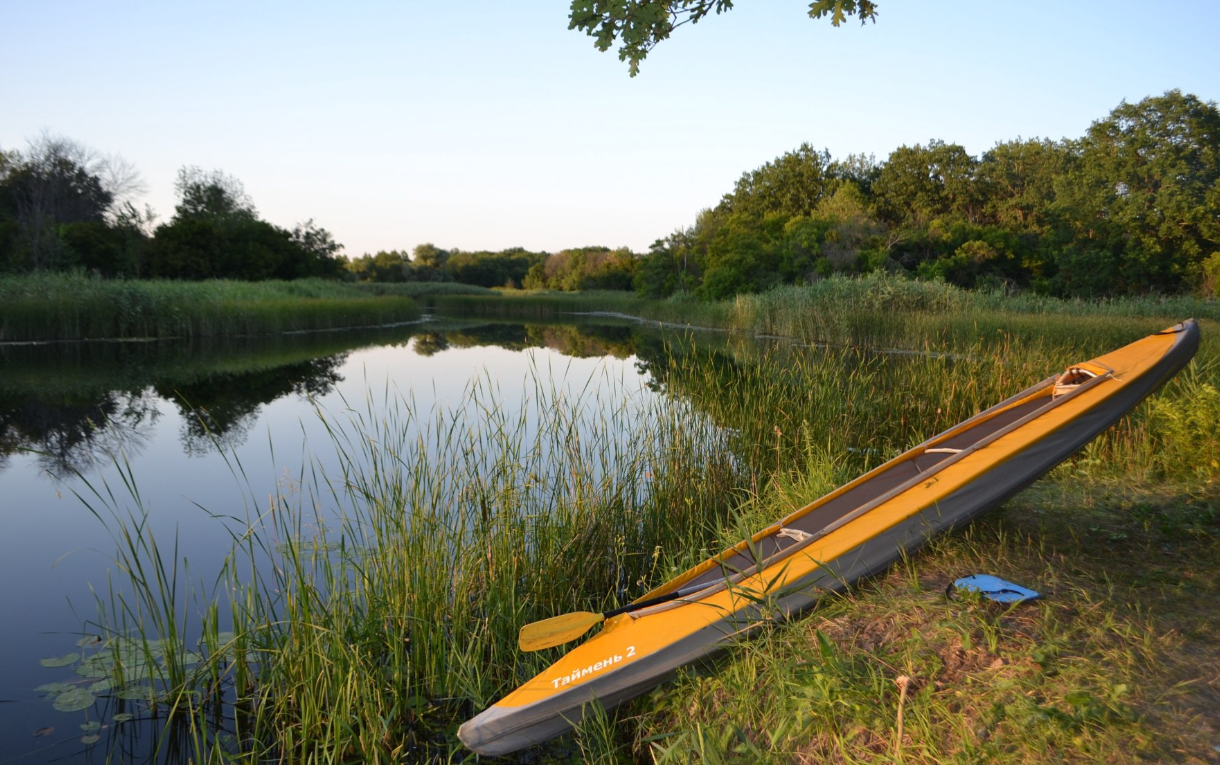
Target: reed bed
{"x": 51, "y": 307}
{"x": 878, "y": 311}
{"x": 368, "y": 612}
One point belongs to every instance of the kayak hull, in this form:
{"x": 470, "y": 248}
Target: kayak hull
{"x": 874, "y": 520}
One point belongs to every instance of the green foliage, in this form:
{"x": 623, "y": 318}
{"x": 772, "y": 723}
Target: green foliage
{"x": 1133, "y": 207}
{"x": 792, "y": 184}
{"x": 216, "y": 234}
{"x": 507, "y": 268}
{"x": 584, "y": 268}
{"x": 639, "y": 25}
{"x": 211, "y": 194}
{"x": 385, "y": 266}
{"x": 920, "y": 184}
{"x": 1186, "y": 425}
{"x": 73, "y": 306}
{"x": 55, "y": 184}
{"x": 57, "y": 213}
{"x": 1143, "y": 195}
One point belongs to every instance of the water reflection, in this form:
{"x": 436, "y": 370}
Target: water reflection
{"x": 72, "y": 433}
{"x": 79, "y": 404}
{"x": 218, "y": 412}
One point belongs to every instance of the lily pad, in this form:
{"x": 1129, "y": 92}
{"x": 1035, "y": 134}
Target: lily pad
{"x": 98, "y": 665}
{"x": 45, "y": 730}
{"x": 74, "y": 700}
{"x": 123, "y": 717}
{"x": 62, "y": 661}
{"x": 91, "y": 739}
{"x": 134, "y": 693}
{"x": 101, "y": 686}
{"x": 54, "y": 689}
{"x": 88, "y": 640}
{"x": 93, "y": 726}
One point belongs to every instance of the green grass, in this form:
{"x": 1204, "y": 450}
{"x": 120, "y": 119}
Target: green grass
{"x": 1107, "y": 667}
{"x": 42, "y": 307}
{"x": 369, "y": 638}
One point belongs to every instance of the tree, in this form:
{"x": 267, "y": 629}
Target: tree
{"x": 1142, "y": 198}
{"x": 1017, "y": 182}
{"x": 639, "y": 25}
{"x": 428, "y": 264}
{"x": 491, "y": 269}
{"x": 216, "y": 234}
{"x": 55, "y": 182}
{"x": 919, "y": 184}
{"x": 428, "y": 255}
{"x": 319, "y": 247}
{"x": 211, "y": 193}
{"x": 792, "y": 184}
{"x": 385, "y": 266}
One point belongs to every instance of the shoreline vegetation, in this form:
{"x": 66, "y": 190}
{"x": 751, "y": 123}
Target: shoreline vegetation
{"x": 371, "y": 637}
{"x": 1128, "y": 208}
{"x": 72, "y": 306}
{"x": 851, "y": 310}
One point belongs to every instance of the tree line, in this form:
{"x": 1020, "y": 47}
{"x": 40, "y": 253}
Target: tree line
{"x": 580, "y": 268}
{"x": 1131, "y": 207}
{"x": 64, "y": 207}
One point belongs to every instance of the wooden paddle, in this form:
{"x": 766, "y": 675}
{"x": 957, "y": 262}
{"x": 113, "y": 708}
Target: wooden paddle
{"x": 560, "y": 629}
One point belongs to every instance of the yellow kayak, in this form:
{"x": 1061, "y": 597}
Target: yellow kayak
{"x": 856, "y": 530}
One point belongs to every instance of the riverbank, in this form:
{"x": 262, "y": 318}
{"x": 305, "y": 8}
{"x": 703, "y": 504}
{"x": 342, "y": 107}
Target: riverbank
{"x": 56, "y": 307}
{"x": 875, "y": 310}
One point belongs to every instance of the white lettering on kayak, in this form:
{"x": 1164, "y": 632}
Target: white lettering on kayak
{"x": 594, "y": 668}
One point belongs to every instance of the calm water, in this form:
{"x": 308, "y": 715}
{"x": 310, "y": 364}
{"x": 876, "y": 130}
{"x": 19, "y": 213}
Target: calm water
{"x": 172, "y": 412}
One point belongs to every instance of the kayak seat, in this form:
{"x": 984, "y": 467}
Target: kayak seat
{"x": 1070, "y": 380}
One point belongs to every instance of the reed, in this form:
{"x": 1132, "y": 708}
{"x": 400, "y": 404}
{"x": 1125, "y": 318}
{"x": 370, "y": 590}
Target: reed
{"x": 50, "y": 307}
{"x": 877, "y": 310}
{"x": 367, "y": 612}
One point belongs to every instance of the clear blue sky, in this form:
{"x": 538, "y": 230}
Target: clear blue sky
{"x": 488, "y": 124}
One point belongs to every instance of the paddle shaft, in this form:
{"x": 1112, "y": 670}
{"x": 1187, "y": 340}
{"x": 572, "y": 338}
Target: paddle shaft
{"x": 682, "y": 593}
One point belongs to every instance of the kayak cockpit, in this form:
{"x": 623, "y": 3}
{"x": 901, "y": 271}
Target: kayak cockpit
{"x": 852, "y": 500}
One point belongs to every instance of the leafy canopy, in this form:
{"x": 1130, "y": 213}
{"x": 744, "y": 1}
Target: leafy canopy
{"x": 638, "y": 25}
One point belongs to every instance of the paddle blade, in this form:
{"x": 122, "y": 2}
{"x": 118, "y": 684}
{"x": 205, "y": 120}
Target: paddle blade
{"x": 557, "y": 630}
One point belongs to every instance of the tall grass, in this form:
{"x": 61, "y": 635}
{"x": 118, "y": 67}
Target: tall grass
{"x": 369, "y": 612}
{"x": 47, "y": 306}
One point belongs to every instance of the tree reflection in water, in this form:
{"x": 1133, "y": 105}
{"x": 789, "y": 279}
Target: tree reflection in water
{"x": 74, "y": 435}
{"x": 218, "y": 412}
{"x": 78, "y": 405}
